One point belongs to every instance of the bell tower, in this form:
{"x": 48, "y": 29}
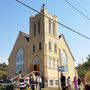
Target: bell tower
{"x": 43, "y": 30}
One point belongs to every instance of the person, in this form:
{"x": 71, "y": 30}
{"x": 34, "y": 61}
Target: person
{"x": 36, "y": 82}
{"x": 32, "y": 83}
{"x": 84, "y": 81}
{"x": 79, "y": 83}
{"x": 87, "y": 87}
{"x": 22, "y": 84}
{"x": 40, "y": 82}
{"x": 69, "y": 83}
{"x": 20, "y": 74}
{"x": 27, "y": 81}
{"x": 63, "y": 82}
{"x": 18, "y": 79}
{"x": 75, "y": 83}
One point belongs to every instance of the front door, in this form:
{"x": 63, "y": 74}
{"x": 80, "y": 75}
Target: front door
{"x": 37, "y": 68}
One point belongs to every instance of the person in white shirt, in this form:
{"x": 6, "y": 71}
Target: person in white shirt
{"x": 27, "y": 81}
{"x": 40, "y": 83}
{"x": 69, "y": 83}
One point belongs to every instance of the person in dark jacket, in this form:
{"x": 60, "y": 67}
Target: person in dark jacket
{"x": 32, "y": 83}
{"x": 63, "y": 82}
{"x": 79, "y": 83}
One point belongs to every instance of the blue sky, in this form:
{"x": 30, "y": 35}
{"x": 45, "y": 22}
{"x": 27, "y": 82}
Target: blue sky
{"x": 14, "y": 18}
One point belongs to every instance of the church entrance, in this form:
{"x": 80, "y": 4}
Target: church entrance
{"x": 37, "y": 69}
{"x": 36, "y": 65}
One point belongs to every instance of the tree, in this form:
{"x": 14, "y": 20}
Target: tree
{"x": 3, "y": 74}
{"x": 88, "y": 76}
{"x": 84, "y": 68}
{"x": 88, "y": 58}
{"x": 3, "y": 70}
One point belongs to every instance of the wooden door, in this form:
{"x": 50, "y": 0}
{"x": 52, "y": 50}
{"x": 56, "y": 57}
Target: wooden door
{"x": 37, "y": 68}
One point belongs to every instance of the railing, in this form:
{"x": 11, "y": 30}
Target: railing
{"x": 33, "y": 74}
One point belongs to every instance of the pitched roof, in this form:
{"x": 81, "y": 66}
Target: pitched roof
{"x": 26, "y": 36}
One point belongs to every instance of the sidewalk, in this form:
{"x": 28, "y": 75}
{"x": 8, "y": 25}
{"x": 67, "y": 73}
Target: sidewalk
{"x": 50, "y": 88}
{"x": 43, "y": 89}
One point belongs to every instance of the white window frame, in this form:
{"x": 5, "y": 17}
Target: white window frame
{"x": 51, "y": 82}
{"x": 49, "y": 61}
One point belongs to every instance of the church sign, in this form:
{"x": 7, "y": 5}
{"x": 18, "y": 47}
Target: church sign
{"x": 61, "y": 69}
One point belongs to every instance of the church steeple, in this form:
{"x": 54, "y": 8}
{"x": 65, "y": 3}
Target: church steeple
{"x": 40, "y": 24}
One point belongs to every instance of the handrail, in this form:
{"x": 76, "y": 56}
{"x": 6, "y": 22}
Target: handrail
{"x": 14, "y": 77}
{"x": 31, "y": 73}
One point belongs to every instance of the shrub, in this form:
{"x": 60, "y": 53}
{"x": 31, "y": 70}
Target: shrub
{"x": 88, "y": 76}
{"x": 3, "y": 74}
{"x": 7, "y": 87}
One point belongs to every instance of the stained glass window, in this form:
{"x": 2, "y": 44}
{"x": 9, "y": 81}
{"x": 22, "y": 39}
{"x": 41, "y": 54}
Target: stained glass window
{"x": 64, "y": 60}
{"x": 20, "y": 60}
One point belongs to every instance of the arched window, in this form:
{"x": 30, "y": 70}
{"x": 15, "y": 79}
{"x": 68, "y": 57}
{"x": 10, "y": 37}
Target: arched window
{"x": 33, "y": 48}
{"x": 36, "y": 61}
{"x": 53, "y": 63}
{"x": 20, "y": 60}
{"x": 39, "y": 27}
{"x": 40, "y": 46}
{"x": 64, "y": 61}
{"x": 34, "y": 29}
{"x": 53, "y": 28}
{"x": 49, "y": 61}
{"x": 49, "y": 27}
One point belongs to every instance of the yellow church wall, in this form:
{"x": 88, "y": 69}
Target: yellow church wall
{"x": 20, "y": 43}
{"x": 71, "y": 64}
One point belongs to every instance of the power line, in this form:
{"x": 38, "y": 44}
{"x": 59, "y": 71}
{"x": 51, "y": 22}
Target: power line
{"x": 54, "y": 20}
{"x": 82, "y": 7}
{"x": 77, "y": 10}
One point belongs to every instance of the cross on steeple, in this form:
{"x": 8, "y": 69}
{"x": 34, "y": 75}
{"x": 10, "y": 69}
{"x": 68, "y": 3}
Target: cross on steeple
{"x": 43, "y": 6}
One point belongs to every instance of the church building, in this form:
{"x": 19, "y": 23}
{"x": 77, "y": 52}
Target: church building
{"x": 42, "y": 50}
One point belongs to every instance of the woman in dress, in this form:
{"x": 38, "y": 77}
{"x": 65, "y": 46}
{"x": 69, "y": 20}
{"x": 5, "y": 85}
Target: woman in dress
{"x": 75, "y": 83}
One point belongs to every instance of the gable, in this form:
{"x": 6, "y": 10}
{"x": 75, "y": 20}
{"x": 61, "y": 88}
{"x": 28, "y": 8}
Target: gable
{"x": 21, "y": 41}
{"x": 61, "y": 37}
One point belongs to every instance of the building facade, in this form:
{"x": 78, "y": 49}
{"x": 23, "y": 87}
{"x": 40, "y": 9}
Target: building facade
{"x": 42, "y": 50}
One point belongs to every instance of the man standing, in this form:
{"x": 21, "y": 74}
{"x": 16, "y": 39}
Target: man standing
{"x": 79, "y": 83}
{"x": 63, "y": 82}
{"x": 40, "y": 83}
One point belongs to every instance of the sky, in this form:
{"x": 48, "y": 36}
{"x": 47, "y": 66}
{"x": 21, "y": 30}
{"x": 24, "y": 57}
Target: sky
{"x": 14, "y": 17}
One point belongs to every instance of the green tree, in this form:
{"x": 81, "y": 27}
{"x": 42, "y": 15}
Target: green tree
{"x": 3, "y": 67}
{"x": 88, "y": 58}
{"x": 84, "y": 68}
{"x": 88, "y": 76}
{"x": 3, "y": 74}
{"x": 3, "y": 70}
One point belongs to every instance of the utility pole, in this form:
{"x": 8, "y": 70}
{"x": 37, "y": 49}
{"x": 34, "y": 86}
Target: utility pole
{"x": 58, "y": 79}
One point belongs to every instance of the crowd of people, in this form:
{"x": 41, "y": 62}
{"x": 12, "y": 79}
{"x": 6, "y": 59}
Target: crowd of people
{"x": 66, "y": 84}
{"x": 34, "y": 82}
{"x": 29, "y": 82}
